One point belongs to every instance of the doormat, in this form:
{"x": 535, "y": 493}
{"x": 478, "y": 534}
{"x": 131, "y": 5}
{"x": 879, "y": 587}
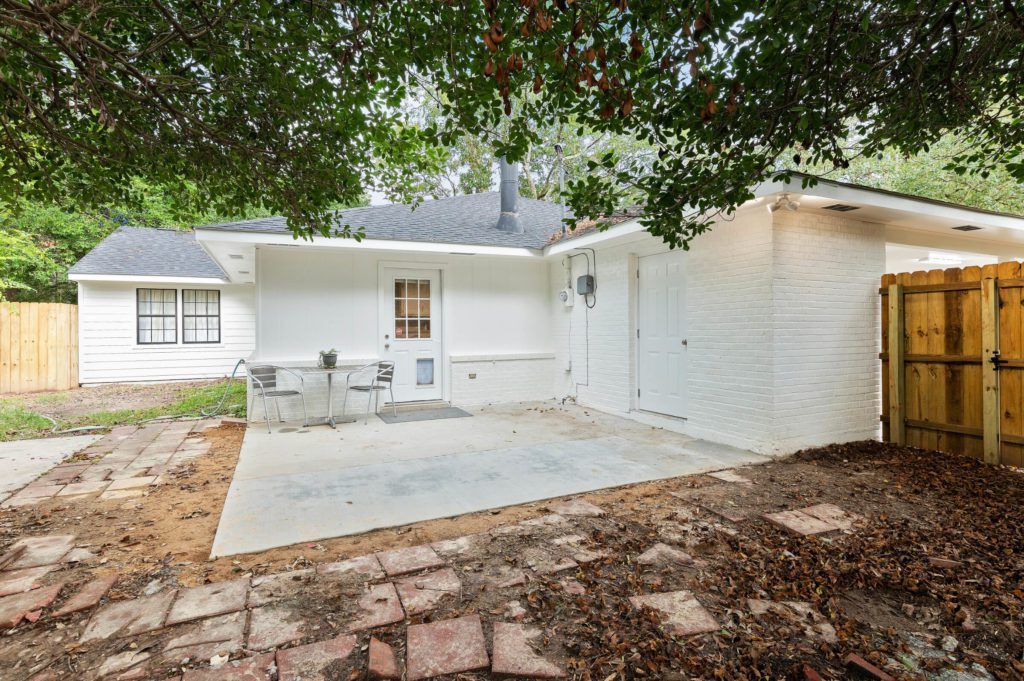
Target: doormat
{"x": 423, "y": 415}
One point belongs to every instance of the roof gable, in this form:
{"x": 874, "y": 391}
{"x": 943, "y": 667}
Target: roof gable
{"x": 151, "y": 252}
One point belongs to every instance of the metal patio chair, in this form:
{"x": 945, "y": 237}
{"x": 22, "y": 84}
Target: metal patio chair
{"x": 264, "y": 385}
{"x": 384, "y": 373}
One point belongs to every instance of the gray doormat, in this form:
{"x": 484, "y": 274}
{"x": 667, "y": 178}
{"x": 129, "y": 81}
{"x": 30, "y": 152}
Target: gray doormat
{"x": 423, "y": 415}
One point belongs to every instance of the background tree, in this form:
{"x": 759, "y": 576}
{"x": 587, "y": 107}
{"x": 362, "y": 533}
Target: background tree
{"x": 292, "y": 106}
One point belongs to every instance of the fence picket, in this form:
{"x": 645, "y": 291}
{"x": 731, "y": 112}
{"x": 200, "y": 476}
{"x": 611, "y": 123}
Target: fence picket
{"x": 38, "y": 347}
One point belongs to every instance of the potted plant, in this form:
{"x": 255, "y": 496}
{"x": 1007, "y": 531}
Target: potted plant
{"x": 328, "y": 359}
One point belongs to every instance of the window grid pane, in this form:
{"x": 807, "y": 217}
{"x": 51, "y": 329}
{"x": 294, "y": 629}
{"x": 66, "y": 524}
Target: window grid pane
{"x": 412, "y": 308}
{"x": 200, "y": 316}
{"x": 156, "y": 316}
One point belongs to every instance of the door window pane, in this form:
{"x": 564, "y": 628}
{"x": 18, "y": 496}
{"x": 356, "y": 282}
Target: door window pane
{"x": 412, "y": 308}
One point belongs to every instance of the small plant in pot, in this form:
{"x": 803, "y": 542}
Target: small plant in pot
{"x": 328, "y": 359}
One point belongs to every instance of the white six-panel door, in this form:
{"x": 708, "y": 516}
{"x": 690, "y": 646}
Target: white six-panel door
{"x": 661, "y": 334}
{"x": 410, "y": 333}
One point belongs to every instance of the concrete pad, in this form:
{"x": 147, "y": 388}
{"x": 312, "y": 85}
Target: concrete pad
{"x": 322, "y": 483}
{"x": 514, "y": 654}
{"x": 445, "y": 647}
{"x": 22, "y": 461}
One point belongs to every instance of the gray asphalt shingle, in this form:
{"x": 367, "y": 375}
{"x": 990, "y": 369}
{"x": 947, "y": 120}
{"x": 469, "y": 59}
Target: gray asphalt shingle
{"x": 468, "y": 220}
{"x": 149, "y": 252}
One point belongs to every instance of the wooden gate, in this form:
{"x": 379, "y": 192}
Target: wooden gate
{"x": 953, "y": 361}
{"x": 38, "y": 347}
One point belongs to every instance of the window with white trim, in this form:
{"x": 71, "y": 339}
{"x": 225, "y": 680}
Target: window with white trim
{"x": 200, "y": 316}
{"x": 157, "y": 316}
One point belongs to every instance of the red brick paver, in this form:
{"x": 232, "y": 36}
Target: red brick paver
{"x": 222, "y": 635}
{"x": 14, "y": 608}
{"x": 208, "y": 600}
{"x": 273, "y": 626}
{"x": 514, "y": 654}
{"x": 37, "y": 551}
{"x": 421, "y": 593}
{"x": 445, "y": 647}
{"x": 800, "y": 523}
{"x": 380, "y": 606}
{"x": 684, "y": 615}
{"x": 88, "y": 596}
{"x": 576, "y": 507}
{"x": 383, "y": 663}
{"x": 274, "y": 587}
{"x": 17, "y": 581}
{"x": 730, "y": 476}
{"x": 832, "y": 514}
{"x": 250, "y": 669}
{"x": 663, "y": 554}
{"x": 363, "y": 567}
{"x": 127, "y": 618}
{"x": 311, "y": 662}
{"x": 410, "y": 559}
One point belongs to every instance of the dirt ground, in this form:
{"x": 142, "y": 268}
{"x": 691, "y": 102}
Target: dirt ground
{"x": 69, "y": 404}
{"x": 930, "y": 578}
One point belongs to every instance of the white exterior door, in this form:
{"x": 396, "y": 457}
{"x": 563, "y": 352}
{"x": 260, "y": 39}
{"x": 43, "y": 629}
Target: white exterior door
{"x": 661, "y": 334}
{"x": 411, "y": 331}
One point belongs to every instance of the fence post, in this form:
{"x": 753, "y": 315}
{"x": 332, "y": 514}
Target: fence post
{"x": 897, "y": 372}
{"x": 989, "y": 374}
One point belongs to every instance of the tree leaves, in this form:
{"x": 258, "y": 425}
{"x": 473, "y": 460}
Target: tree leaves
{"x": 297, "y": 106}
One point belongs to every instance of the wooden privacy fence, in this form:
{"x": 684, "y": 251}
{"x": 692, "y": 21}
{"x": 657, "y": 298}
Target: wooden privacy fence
{"x": 38, "y": 347}
{"x": 953, "y": 361}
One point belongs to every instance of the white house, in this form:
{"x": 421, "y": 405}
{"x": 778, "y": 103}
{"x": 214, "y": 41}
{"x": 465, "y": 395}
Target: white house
{"x": 764, "y": 335}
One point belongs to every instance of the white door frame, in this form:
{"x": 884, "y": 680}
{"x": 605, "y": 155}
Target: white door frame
{"x": 633, "y": 268}
{"x": 383, "y": 292}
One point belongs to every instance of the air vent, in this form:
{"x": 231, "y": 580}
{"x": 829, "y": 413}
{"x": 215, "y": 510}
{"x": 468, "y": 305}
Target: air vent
{"x": 235, "y": 256}
{"x": 967, "y": 228}
{"x": 243, "y": 271}
{"x": 841, "y": 207}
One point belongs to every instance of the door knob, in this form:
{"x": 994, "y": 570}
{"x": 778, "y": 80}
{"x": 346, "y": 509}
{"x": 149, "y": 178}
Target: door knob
{"x": 387, "y": 346}
{"x": 683, "y": 342}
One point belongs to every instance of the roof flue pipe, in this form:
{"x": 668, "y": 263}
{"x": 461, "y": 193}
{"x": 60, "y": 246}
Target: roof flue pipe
{"x": 509, "y": 221}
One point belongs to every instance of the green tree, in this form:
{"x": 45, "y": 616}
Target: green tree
{"x": 293, "y": 106}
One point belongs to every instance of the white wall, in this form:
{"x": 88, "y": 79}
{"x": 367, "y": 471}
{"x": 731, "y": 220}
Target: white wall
{"x": 827, "y": 319}
{"x": 109, "y": 353}
{"x": 782, "y": 338}
{"x": 494, "y": 323}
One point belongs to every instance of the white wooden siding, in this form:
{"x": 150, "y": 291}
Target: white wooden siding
{"x": 109, "y": 353}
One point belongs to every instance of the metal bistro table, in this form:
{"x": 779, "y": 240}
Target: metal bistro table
{"x": 330, "y": 419}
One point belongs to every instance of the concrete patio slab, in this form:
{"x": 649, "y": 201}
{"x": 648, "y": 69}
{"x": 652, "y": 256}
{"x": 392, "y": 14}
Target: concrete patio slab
{"x": 316, "y": 483}
{"x": 22, "y": 461}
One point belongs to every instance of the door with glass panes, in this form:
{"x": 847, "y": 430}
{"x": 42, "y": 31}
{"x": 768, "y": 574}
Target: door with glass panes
{"x": 411, "y": 332}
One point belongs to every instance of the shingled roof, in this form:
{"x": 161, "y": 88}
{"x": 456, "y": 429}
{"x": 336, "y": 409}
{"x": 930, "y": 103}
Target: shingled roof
{"x": 149, "y": 252}
{"x": 467, "y": 220}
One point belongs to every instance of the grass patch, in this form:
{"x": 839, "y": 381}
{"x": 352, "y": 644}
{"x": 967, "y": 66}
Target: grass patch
{"x": 18, "y": 423}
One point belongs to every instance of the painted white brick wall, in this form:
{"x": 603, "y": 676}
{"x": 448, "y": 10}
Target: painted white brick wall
{"x": 782, "y": 339}
{"x": 491, "y": 381}
{"x": 827, "y": 315}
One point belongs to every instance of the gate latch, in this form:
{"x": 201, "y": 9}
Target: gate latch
{"x": 997, "y": 361}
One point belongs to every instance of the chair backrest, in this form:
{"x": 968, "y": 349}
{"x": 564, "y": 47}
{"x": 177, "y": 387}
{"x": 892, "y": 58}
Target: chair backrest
{"x": 385, "y": 372}
{"x": 264, "y": 376}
